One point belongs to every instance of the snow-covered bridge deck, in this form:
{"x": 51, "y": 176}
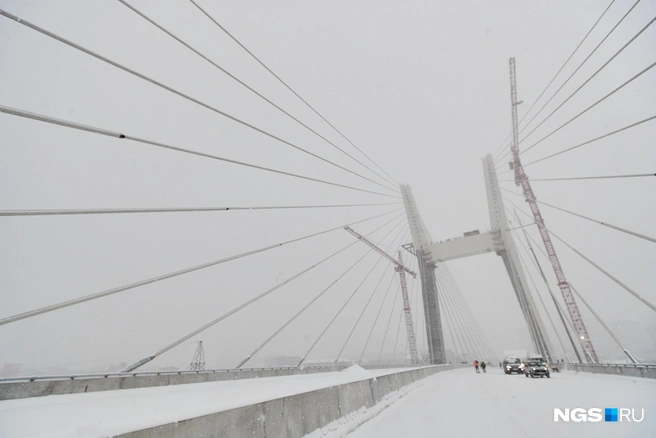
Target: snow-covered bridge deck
{"x": 108, "y": 413}
{"x": 451, "y": 403}
{"x": 461, "y": 403}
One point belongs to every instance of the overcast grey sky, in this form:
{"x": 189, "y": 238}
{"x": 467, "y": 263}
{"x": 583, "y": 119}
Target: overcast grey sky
{"x": 421, "y": 87}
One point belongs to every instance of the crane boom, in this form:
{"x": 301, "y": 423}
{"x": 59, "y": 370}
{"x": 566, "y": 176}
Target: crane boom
{"x": 380, "y": 251}
{"x": 401, "y": 269}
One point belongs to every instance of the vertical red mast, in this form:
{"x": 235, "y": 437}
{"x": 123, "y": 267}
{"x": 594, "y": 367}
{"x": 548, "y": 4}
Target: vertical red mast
{"x": 522, "y": 179}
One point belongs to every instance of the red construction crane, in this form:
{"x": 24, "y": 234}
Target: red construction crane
{"x": 522, "y": 179}
{"x": 401, "y": 269}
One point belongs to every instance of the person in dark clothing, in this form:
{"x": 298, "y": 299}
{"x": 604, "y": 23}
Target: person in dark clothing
{"x": 483, "y": 365}
{"x": 476, "y": 366}
{"x": 500, "y": 365}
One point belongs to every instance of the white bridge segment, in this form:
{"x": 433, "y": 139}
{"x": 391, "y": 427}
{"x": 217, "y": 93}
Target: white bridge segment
{"x": 461, "y": 403}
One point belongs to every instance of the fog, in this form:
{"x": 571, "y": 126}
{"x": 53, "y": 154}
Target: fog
{"x": 422, "y": 88}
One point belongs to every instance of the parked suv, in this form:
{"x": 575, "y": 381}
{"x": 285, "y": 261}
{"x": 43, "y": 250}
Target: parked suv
{"x": 512, "y": 365}
{"x": 536, "y": 369}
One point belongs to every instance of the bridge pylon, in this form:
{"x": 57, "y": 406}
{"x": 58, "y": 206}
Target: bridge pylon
{"x": 498, "y": 240}
{"x": 421, "y": 239}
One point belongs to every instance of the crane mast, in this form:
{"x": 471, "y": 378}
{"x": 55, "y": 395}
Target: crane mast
{"x": 401, "y": 269}
{"x": 521, "y": 179}
{"x": 409, "y": 326}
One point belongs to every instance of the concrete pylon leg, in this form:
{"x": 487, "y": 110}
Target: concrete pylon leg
{"x": 434, "y": 334}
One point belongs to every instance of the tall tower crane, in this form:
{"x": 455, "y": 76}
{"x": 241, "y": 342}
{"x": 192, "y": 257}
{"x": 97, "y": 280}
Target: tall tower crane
{"x": 522, "y": 179}
{"x": 401, "y": 269}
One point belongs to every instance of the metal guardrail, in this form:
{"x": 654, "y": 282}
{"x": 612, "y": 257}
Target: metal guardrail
{"x": 643, "y": 370}
{"x": 178, "y": 373}
{"x": 616, "y": 365}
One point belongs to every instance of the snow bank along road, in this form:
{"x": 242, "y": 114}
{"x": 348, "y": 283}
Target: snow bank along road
{"x": 461, "y": 403}
{"x": 101, "y": 414}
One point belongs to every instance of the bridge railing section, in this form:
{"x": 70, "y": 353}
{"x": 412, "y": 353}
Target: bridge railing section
{"x": 308, "y": 368}
{"x": 632, "y": 370}
{"x": 38, "y": 386}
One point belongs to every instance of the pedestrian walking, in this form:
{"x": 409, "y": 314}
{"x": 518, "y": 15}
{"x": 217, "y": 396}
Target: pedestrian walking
{"x": 483, "y": 365}
{"x": 476, "y": 365}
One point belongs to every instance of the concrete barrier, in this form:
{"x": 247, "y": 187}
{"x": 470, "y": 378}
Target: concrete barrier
{"x": 25, "y": 387}
{"x": 293, "y": 416}
{"x": 647, "y": 371}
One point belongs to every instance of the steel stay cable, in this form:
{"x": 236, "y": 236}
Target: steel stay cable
{"x": 357, "y": 322}
{"x": 158, "y": 278}
{"x": 591, "y": 77}
{"x": 591, "y": 141}
{"x": 380, "y": 309}
{"x": 389, "y": 320}
{"x": 534, "y": 259}
{"x": 465, "y": 337}
{"x": 637, "y": 175}
{"x": 564, "y": 318}
{"x": 300, "y": 312}
{"x": 603, "y": 324}
{"x": 564, "y": 314}
{"x": 316, "y": 298}
{"x": 605, "y": 224}
{"x": 351, "y": 296}
{"x": 144, "y": 16}
{"x": 468, "y": 320}
{"x": 398, "y": 331}
{"x": 173, "y": 90}
{"x": 101, "y": 131}
{"x": 467, "y": 330}
{"x": 477, "y": 328}
{"x": 450, "y": 322}
{"x": 373, "y": 326}
{"x": 645, "y": 70}
{"x": 66, "y": 212}
{"x": 292, "y": 90}
{"x": 389, "y": 287}
{"x": 599, "y": 268}
{"x": 624, "y": 286}
{"x": 537, "y": 292}
{"x": 556, "y": 75}
{"x": 260, "y": 296}
{"x": 365, "y": 309}
{"x": 585, "y": 303}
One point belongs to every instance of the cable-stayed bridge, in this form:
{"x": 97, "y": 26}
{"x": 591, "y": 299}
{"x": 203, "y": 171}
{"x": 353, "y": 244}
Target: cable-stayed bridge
{"x": 364, "y": 281}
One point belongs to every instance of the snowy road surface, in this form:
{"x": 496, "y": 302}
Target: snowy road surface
{"x": 101, "y": 414}
{"x": 462, "y": 403}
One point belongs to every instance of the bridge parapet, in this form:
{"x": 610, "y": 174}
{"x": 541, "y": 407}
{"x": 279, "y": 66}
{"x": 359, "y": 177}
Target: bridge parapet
{"x": 633, "y": 370}
{"x": 24, "y": 387}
